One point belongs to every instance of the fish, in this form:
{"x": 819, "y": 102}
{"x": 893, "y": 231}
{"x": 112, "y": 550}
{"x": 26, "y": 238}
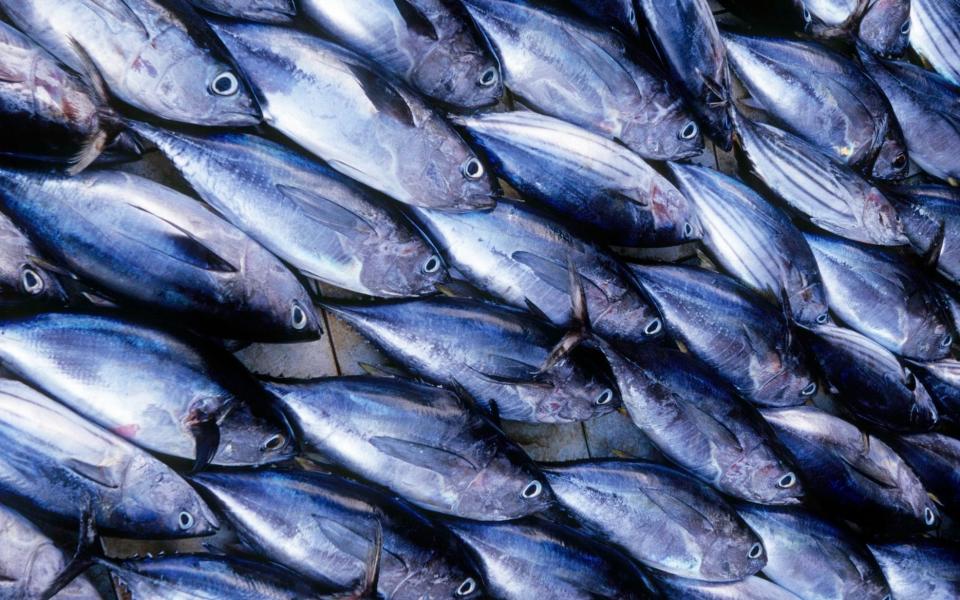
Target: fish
{"x": 587, "y": 75}
{"x": 873, "y": 385}
{"x": 854, "y": 475}
{"x": 927, "y": 106}
{"x": 362, "y": 124}
{"x": 883, "y": 297}
{"x": 830, "y": 19}
{"x": 60, "y": 466}
{"x": 700, "y": 424}
{"x": 941, "y": 378}
{"x": 419, "y": 441}
{"x": 920, "y": 569}
{"x": 534, "y": 558}
{"x": 30, "y": 562}
{"x": 261, "y": 11}
{"x": 742, "y": 339}
{"x": 429, "y": 44}
{"x": 325, "y": 527}
{"x": 503, "y": 358}
{"x": 854, "y": 123}
{"x": 25, "y": 277}
{"x": 755, "y": 242}
{"x": 167, "y": 252}
{"x": 813, "y": 557}
{"x": 156, "y": 56}
{"x": 925, "y": 208}
{"x": 48, "y": 113}
{"x": 935, "y": 35}
{"x": 620, "y": 14}
{"x": 523, "y": 258}
{"x": 592, "y": 181}
{"x": 885, "y": 26}
{"x": 751, "y": 588}
{"x": 308, "y": 215}
{"x": 935, "y": 458}
{"x": 661, "y": 517}
{"x": 190, "y": 400}
{"x": 688, "y": 41}
{"x": 824, "y": 191}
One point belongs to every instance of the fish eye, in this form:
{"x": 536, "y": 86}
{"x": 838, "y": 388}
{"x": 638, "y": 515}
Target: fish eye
{"x": 689, "y": 131}
{"x": 687, "y": 230}
{"x": 947, "y": 341}
{"x": 756, "y": 550}
{"x": 274, "y": 442}
{"x": 787, "y": 481}
{"x": 488, "y": 77}
{"x": 822, "y": 319}
{"x": 929, "y": 517}
{"x": 432, "y": 265}
{"x": 810, "y": 389}
{"x": 472, "y": 168}
{"x": 532, "y": 490}
{"x": 909, "y": 380}
{"x": 468, "y": 587}
{"x": 900, "y": 161}
{"x": 632, "y": 17}
{"x": 298, "y": 316}
{"x": 186, "y": 521}
{"x": 905, "y": 28}
{"x": 31, "y": 281}
{"x": 807, "y": 17}
{"x": 605, "y": 397}
{"x": 225, "y": 84}
{"x": 653, "y": 327}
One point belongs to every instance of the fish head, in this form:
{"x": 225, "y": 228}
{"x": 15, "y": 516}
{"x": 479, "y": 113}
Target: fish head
{"x": 248, "y": 438}
{"x": 738, "y": 554}
{"x": 283, "y": 306}
{"x": 205, "y": 88}
{"x": 892, "y": 161}
{"x": 791, "y": 386}
{"x": 885, "y": 27}
{"x": 763, "y": 478}
{"x": 923, "y": 411}
{"x": 410, "y": 268}
{"x": 467, "y": 80}
{"x": 881, "y": 221}
{"x": 673, "y": 135}
{"x": 37, "y": 283}
{"x": 579, "y": 387}
{"x": 166, "y": 506}
{"x": 674, "y": 217}
{"x": 509, "y": 487}
{"x": 441, "y": 577}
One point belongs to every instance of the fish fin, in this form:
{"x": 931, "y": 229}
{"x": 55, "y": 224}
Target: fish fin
{"x": 416, "y": 21}
{"x": 92, "y": 72}
{"x": 709, "y": 422}
{"x": 621, "y": 454}
{"x": 121, "y": 11}
{"x": 344, "y": 537}
{"x": 381, "y": 93}
{"x": 329, "y": 214}
{"x": 456, "y": 288}
{"x": 863, "y": 466}
{"x": 46, "y": 265}
{"x": 83, "y": 557}
{"x": 548, "y": 271}
{"x": 368, "y": 586}
{"x": 185, "y": 247}
{"x": 206, "y": 435}
{"x": 580, "y": 331}
{"x": 495, "y": 413}
{"x": 381, "y": 371}
{"x": 421, "y": 455}
{"x": 91, "y": 150}
{"x": 932, "y": 256}
{"x": 95, "y": 473}
{"x": 626, "y": 199}
{"x": 535, "y": 310}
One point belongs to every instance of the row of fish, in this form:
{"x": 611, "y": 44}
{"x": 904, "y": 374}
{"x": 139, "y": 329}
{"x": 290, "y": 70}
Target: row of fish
{"x": 377, "y": 165}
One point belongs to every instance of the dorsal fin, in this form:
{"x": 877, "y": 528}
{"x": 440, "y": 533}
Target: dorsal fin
{"x": 184, "y": 246}
{"x": 416, "y": 21}
{"x": 381, "y": 93}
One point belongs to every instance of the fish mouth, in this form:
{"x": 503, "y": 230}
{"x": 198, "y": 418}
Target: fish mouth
{"x": 249, "y": 118}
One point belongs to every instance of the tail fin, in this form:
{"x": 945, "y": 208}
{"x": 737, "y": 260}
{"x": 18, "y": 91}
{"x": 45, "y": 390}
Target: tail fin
{"x": 84, "y": 557}
{"x": 580, "y": 325}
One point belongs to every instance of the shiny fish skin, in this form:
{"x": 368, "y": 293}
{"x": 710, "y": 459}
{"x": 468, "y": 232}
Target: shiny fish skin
{"x": 522, "y": 257}
{"x": 30, "y": 561}
{"x": 591, "y": 180}
{"x": 261, "y": 11}
{"x": 22, "y": 279}
{"x": 883, "y": 297}
{"x": 688, "y": 41}
{"x": 311, "y": 217}
{"x": 827, "y": 193}
{"x": 853, "y": 474}
{"x": 167, "y": 252}
{"x": 700, "y": 424}
{"x": 743, "y": 339}
{"x": 584, "y": 74}
{"x": 494, "y": 352}
{"x": 751, "y": 588}
{"x": 935, "y": 35}
{"x": 85, "y": 362}
{"x": 58, "y": 464}
{"x": 419, "y": 441}
{"x": 942, "y": 379}
{"x": 885, "y": 26}
{"x": 928, "y": 108}
{"x": 873, "y": 385}
{"x": 921, "y": 569}
{"x": 159, "y": 57}
{"x": 661, "y": 517}
{"x": 853, "y": 123}
{"x": 427, "y": 43}
{"x": 363, "y": 125}
{"x": 616, "y": 13}
{"x": 935, "y": 458}
{"x": 532, "y": 558}
{"x": 755, "y": 242}
{"x": 935, "y": 203}
{"x": 813, "y": 558}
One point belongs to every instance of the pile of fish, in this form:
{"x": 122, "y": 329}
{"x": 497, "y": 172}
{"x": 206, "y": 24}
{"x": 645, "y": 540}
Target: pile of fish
{"x": 515, "y": 201}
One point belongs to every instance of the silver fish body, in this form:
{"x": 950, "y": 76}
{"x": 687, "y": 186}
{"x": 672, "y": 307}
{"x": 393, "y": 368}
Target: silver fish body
{"x": 523, "y": 257}
{"x": 755, "y": 242}
{"x": 934, "y": 204}
{"x": 362, "y": 124}
{"x": 621, "y": 14}
{"x": 159, "y": 57}
{"x": 942, "y": 379}
{"x": 261, "y": 11}
{"x": 584, "y": 74}
{"x": 935, "y": 458}
{"x": 183, "y": 389}
{"x": 935, "y": 35}
{"x": 60, "y": 465}
{"x": 419, "y": 441}
{"x": 312, "y": 218}
{"x": 661, "y": 517}
{"x": 426, "y": 43}
{"x": 920, "y": 569}
{"x": 23, "y": 276}
{"x": 886, "y": 26}
{"x": 751, "y": 588}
